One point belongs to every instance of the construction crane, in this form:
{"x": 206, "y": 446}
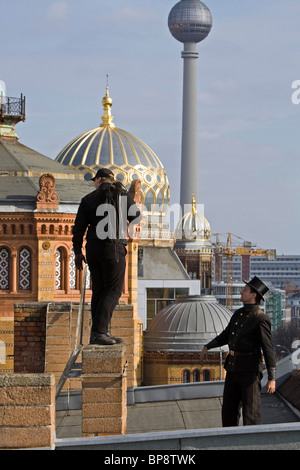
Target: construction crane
{"x": 229, "y": 249}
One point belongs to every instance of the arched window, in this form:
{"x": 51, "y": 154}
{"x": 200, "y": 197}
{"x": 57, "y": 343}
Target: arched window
{"x": 72, "y": 271}
{"x": 206, "y": 375}
{"x": 186, "y": 376}
{"x": 4, "y": 268}
{"x": 58, "y": 269}
{"x": 24, "y": 269}
{"x": 196, "y": 375}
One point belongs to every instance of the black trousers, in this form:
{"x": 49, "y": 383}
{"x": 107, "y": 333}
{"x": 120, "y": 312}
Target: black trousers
{"x": 107, "y": 264}
{"x": 241, "y": 391}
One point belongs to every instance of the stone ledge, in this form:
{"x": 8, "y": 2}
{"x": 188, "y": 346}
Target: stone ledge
{"x": 26, "y": 380}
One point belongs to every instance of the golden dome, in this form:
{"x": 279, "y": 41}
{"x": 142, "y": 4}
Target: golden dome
{"x": 127, "y": 156}
{"x": 193, "y": 226}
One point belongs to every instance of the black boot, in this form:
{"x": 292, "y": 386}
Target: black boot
{"x": 117, "y": 340}
{"x": 101, "y": 338}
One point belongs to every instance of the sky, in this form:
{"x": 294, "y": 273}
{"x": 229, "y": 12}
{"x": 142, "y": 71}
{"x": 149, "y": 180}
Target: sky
{"x": 58, "y": 52}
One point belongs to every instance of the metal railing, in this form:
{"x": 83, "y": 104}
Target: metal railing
{"x": 12, "y": 106}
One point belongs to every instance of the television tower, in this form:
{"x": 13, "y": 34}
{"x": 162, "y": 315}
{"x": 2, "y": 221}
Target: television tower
{"x": 189, "y": 21}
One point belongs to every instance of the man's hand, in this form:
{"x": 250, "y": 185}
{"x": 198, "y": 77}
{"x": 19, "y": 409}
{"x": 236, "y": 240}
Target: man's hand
{"x": 203, "y": 354}
{"x": 271, "y": 385}
{"x": 78, "y": 261}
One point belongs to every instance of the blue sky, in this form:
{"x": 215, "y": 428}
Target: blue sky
{"x": 58, "y": 52}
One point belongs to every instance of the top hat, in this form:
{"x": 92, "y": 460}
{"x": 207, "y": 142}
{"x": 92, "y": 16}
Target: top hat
{"x": 258, "y": 286}
{"x": 102, "y": 173}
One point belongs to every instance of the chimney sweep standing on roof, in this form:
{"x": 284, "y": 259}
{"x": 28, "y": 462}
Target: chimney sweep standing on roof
{"x": 105, "y": 213}
{"x": 247, "y": 334}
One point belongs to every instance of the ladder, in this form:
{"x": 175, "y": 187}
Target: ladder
{"x": 73, "y": 369}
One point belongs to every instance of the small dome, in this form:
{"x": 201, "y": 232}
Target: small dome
{"x": 190, "y": 21}
{"x": 187, "y": 324}
{"x": 193, "y": 226}
{"x": 127, "y": 156}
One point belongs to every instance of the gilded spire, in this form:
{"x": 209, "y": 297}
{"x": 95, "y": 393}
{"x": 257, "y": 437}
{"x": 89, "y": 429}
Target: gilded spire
{"x": 107, "y": 104}
{"x": 194, "y": 210}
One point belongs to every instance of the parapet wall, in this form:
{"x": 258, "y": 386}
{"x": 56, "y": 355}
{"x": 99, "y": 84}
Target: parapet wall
{"x": 45, "y": 338}
{"x": 27, "y": 417}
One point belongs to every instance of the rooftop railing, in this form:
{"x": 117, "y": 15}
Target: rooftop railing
{"x": 12, "y": 106}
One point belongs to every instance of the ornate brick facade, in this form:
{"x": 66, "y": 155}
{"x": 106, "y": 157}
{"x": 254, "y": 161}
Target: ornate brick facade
{"x": 37, "y": 265}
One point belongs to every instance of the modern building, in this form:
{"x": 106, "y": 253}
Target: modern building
{"x": 278, "y": 271}
{"x": 161, "y": 279}
{"x": 273, "y": 306}
{"x": 220, "y": 291}
{"x": 294, "y": 302}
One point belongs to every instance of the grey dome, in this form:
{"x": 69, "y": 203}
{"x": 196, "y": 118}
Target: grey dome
{"x": 190, "y": 21}
{"x": 187, "y": 324}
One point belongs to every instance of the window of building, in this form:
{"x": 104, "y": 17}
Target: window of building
{"x": 159, "y": 297}
{"x": 206, "y": 375}
{"x": 58, "y": 269}
{"x": 25, "y": 269}
{"x": 4, "y": 268}
{"x": 72, "y": 271}
{"x": 196, "y": 375}
{"x": 186, "y": 376}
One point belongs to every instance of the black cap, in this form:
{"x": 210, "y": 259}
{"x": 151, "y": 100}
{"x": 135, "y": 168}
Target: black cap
{"x": 260, "y": 288}
{"x": 103, "y": 173}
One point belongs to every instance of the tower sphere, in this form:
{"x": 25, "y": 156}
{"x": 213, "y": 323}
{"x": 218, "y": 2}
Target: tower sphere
{"x": 190, "y": 21}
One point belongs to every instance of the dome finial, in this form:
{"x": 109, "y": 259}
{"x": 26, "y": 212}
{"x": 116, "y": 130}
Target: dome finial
{"x": 193, "y": 226}
{"x": 107, "y": 104}
{"x": 194, "y": 210}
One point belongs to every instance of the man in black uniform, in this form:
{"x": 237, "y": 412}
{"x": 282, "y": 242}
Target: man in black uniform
{"x": 105, "y": 213}
{"x": 248, "y": 332}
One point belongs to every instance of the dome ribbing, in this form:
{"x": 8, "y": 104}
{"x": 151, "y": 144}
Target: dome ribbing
{"x": 126, "y": 155}
{"x": 187, "y": 324}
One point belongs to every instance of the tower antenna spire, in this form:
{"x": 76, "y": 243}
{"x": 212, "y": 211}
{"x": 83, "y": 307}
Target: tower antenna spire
{"x": 190, "y": 22}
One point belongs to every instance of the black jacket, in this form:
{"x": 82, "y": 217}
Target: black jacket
{"x": 249, "y": 335}
{"x": 105, "y": 212}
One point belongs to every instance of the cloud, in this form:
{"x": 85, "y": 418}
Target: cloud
{"x": 133, "y": 15}
{"x": 208, "y": 135}
{"x": 58, "y": 11}
{"x": 52, "y": 19}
